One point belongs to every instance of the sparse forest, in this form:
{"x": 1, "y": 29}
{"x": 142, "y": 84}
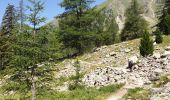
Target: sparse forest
{"x": 36, "y": 60}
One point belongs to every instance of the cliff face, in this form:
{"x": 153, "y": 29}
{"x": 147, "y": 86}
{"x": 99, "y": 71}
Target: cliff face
{"x": 149, "y": 8}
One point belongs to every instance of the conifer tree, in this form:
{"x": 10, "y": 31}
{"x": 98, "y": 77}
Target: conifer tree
{"x": 164, "y": 19}
{"x": 35, "y": 9}
{"x": 4, "y": 51}
{"x": 159, "y": 38}
{"x": 73, "y": 27}
{"x": 146, "y": 45}
{"x": 9, "y": 20}
{"x": 134, "y": 23}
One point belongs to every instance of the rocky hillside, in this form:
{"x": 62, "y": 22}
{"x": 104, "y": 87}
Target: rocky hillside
{"x": 107, "y": 65}
{"x": 149, "y": 7}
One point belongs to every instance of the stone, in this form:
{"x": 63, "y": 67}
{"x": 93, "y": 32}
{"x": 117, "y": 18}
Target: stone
{"x": 168, "y": 77}
{"x": 168, "y": 84}
{"x": 154, "y": 43}
{"x": 158, "y": 71}
{"x": 133, "y": 59}
{"x": 113, "y": 53}
{"x": 166, "y": 53}
{"x": 156, "y": 55}
{"x": 154, "y": 78}
{"x": 127, "y": 50}
{"x": 167, "y": 48}
{"x": 107, "y": 56}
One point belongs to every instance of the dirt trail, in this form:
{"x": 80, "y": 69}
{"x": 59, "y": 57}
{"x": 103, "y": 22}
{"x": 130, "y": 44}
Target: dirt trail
{"x": 119, "y": 94}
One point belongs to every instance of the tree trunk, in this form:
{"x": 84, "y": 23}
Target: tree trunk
{"x": 33, "y": 88}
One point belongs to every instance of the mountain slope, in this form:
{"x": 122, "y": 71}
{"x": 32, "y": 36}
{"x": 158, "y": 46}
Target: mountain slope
{"x": 149, "y": 7}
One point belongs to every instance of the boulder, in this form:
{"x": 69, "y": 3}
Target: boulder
{"x": 154, "y": 43}
{"x": 159, "y": 71}
{"x": 133, "y": 59}
{"x": 166, "y": 53}
{"x": 157, "y": 55}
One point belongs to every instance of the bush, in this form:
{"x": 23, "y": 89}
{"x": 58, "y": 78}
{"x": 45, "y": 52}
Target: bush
{"x": 159, "y": 38}
{"x": 137, "y": 94}
{"x": 146, "y": 45}
{"x": 167, "y": 25}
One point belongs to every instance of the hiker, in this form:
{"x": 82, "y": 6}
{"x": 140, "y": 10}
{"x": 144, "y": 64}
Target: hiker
{"x": 130, "y": 65}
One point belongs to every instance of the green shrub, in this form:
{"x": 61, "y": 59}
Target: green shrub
{"x": 146, "y": 45}
{"x": 167, "y": 24}
{"x": 159, "y": 38}
{"x": 137, "y": 94}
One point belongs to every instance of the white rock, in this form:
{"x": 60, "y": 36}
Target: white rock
{"x": 156, "y": 55}
{"x": 107, "y": 56}
{"x": 168, "y": 84}
{"x": 158, "y": 70}
{"x": 113, "y": 53}
{"x": 127, "y": 50}
{"x": 133, "y": 59}
{"x": 168, "y": 77}
{"x": 154, "y": 43}
{"x": 167, "y": 48}
{"x": 166, "y": 53}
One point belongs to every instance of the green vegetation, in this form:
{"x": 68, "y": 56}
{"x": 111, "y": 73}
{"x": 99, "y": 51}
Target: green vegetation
{"x": 82, "y": 29}
{"x": 79, "y": 93}
{"x": 164, "y": 19}
{"x": 146, "y": 45}
{"x": 82, "y": 93}
{"x": 134, "y": 24}
{"x": 163, "y": 81}
{"x": 159, "y": 38}
{"x": 9, "y": 20}
{"x": 28, "y": 51}
{"x": 76, "y": 79}
{"x": 137, "y": 94}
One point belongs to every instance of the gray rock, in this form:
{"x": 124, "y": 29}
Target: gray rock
{"x": 133, "y": 59}
{"x": 127, "y": 50}
{"x": 157, "y": 55}
{"x": 167, "y": 48}
{"x": 113, "y": 53}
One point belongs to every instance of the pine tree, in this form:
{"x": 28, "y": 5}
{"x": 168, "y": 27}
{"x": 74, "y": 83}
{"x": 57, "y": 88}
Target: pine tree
{"x": 73, "y": 26}
{"x": 4, "y": 51}
{"x": 35, "y": 9}
{"x": 134, "y": 23}
{"x": 159, "y": 38}
{"x": 146, "y": 45}
{"x": 9, "y": 20}
{"x": 164, "y": 21}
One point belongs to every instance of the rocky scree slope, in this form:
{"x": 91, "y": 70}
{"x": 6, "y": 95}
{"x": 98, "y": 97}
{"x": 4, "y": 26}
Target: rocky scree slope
{"x": 107, "y": 65}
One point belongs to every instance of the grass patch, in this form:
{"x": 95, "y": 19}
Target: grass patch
{"x": 163, "y": 81}
{"x": 166, "y": 41}
{"x": 81, "y": 93}
{"x": 137, "y": 94}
